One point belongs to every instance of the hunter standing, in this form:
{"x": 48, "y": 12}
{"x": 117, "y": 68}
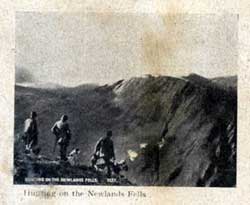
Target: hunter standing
{"x": 62, "y": 132}
{"x": 105, "y": 149}
{"x": 31, "y": 132}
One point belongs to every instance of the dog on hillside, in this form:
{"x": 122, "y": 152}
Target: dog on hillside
{"x": 117, "y": 167}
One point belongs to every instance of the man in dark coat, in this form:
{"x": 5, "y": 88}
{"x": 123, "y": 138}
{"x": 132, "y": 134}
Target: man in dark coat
{"x": 63, "y": 135}
{"x": 31, "y": 131}
{"x": 105, "y": 149}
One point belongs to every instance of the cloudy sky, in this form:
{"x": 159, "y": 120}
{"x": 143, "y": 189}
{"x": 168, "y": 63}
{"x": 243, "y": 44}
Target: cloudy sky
{"x": 76, "y": 48}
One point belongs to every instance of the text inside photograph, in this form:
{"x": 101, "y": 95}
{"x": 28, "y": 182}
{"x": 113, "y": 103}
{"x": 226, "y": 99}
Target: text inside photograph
{"x": 126, "y": 99}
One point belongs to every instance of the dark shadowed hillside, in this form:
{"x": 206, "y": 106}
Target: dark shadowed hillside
{"x": 199, "y": 148}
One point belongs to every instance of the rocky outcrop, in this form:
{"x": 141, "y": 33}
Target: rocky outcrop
{"x": 199, "y": 148}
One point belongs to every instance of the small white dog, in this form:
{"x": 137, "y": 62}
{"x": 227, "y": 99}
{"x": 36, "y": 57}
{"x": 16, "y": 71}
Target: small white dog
{"x": 73, "y": 157}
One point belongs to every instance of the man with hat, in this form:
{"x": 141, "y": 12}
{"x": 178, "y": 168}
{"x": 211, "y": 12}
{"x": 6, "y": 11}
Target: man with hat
{"x": 105, "y": 149}
{"x": 31, "y": 131}
{"x": 63, "y": 135}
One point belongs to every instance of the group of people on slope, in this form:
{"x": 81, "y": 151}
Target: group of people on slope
{"x": 104, "y": 148}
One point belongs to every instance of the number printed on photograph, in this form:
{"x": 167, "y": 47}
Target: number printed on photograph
{"x": 126, "y": 99}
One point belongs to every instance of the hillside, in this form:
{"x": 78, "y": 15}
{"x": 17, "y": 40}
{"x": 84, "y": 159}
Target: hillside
{"x": 199, "y": 147}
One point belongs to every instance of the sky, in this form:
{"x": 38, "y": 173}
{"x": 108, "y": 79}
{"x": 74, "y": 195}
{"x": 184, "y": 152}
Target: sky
{"x": 76, "y": 48}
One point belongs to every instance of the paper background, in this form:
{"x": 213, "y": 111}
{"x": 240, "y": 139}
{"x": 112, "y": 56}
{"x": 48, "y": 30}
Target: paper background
{"x": 13, "y": 194}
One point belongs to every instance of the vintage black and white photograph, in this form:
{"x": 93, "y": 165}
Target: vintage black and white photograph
{"x": 125, "y": 99}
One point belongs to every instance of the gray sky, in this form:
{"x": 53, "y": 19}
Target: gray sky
{"x": 76, "y": 48}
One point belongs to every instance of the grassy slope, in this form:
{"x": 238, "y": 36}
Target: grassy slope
{"x": 201, "y": 120}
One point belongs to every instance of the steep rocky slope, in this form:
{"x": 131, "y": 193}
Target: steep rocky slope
{"x": 201, "y": 116}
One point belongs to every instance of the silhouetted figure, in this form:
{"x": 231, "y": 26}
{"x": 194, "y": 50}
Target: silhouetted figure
{"x": 152, "y": 153}
{"x": 63, "y": 135}
{"x": 105, "y": 149}
{"x": 31, "y": 132}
